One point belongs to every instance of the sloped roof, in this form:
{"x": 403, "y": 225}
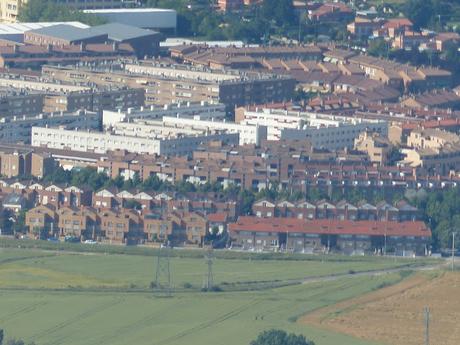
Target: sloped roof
{"x": 67, "y": 32}
{"x": 121, "y": 32}
{"x": 334, "y": 227}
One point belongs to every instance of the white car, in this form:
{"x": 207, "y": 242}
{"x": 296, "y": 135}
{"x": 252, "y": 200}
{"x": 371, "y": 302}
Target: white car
{"x": 90, "y": 242}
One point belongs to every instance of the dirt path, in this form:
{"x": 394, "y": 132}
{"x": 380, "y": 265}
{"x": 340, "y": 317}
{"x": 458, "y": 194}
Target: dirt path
{"x": 394, "y": 315}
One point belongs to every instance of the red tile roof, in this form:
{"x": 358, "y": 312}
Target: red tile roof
{"x": 326, "y": 226}
{"x": 397, "y": 22}
{"x": 217, "y": 217}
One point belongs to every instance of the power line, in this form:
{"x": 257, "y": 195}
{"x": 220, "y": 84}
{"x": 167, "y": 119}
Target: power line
{"x": 427, "y": 325}
{"x": 162, "y": 283}
{"x": 208, "y": 279}
{"x": 453, "y": 251}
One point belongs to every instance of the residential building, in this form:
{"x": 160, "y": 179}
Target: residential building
{"x": 229, "y": 5}
{"x": 330, "y": 12}
{"x": 14, "y": 163}
{"x": 323, "y": 131}
{"x": 120, "y": 226}
{"x": 174, "y": 83}
{"x": 241, "y": 57}
{"x": 446, "y": 40}
{"x": 101, "y": 142}
{"x": 160, "y": 228}
{"x": 434, "y": 99}
{"x": 197, "y": 110}
{"x": 363, "y": 28}
{"x": 342, "y": 210}
{"x": 196, "y": 227}
{"x": 435, "y": 150}
{"x": 18, "y": 129}
{"x": 358, "y": 237}
{"x": 376, "y": 147}
{"x": 401, "y": 76}
{"x": 41, "y": 221}
{"x": 15, "y": 102}
{"x": 95, "y": 100}
{"x": 78, "y": 222}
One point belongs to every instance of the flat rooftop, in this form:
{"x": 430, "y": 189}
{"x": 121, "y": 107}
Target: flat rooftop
{"x": 131, "y": 10}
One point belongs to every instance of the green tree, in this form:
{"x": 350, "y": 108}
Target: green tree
{"x": 378, "y": 48}
{"x": 279, "y": 337}
{"x": 47, "y": 11}
{"x": 59, "y": 175}
{"x": 132, "y": 204}
{"x": 247, "y": 199}
{"x": 280, "y": 11}
{"x": 1, "y": 336}
{"x": 151, "y": 183}
{"x": 420, "y": 12}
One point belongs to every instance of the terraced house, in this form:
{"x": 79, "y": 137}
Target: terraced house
{"x": 349, "y": 237}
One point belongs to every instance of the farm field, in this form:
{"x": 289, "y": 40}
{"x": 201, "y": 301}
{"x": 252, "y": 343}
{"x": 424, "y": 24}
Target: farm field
{"x": 398, "y": 310}
{"x": 55, "y": 298}
{"x": 44, "y": 269}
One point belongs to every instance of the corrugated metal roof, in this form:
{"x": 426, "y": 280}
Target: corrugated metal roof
{"x": 19, "y": 28}
{"x": 121, "y": 32}
{"x": 68, "y": 32}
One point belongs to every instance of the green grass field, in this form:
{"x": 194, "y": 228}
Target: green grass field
{"x": 40, "y": 269}
{"x": 68, "y": 298}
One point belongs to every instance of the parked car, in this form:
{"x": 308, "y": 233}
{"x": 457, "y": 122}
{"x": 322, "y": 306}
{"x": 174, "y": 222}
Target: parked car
{"x": 90, "y": 242}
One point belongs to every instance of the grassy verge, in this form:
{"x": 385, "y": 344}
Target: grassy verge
{"x": 195, "y": 253}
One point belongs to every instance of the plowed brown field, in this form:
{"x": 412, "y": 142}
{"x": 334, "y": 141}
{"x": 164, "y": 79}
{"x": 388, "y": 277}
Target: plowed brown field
{"x": 394, "y": 315}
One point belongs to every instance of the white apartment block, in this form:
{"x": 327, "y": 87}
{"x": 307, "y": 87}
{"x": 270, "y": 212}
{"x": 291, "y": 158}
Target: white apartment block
{"x": 199, "y": 111}
{"x": 18, "y": 129}
{"x": 101, "y": 142}
{"x": 247, "y": 134}
{"x": 176, "y": 72}
{"x": 152, "y": 130}
{"x": 324, "y": 131}
{"x": 37, "y": 85}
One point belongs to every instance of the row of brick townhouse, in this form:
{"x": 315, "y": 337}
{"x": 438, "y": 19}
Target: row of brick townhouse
{"x": 289, "y": 163}
{"x": 166, "y": 202}
{"x": 342, "y": 210}
{"x": 121, "y": 225}
{"x": 351, "y": 237}
{"x": 58, "y": 196}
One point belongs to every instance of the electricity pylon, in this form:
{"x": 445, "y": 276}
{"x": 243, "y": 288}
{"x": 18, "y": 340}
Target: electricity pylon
{"x": 208, "y": 279}
{"x": 162, "y": 283}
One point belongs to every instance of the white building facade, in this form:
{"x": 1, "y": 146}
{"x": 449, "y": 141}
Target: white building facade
{"x": 323, "y": 131}
{"x": 199, "y": 111}
{"x": 18, "y": 129}
{"x": 100, "y": 142}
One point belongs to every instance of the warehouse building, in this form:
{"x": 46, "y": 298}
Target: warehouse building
{"x": 143, "y": 42}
